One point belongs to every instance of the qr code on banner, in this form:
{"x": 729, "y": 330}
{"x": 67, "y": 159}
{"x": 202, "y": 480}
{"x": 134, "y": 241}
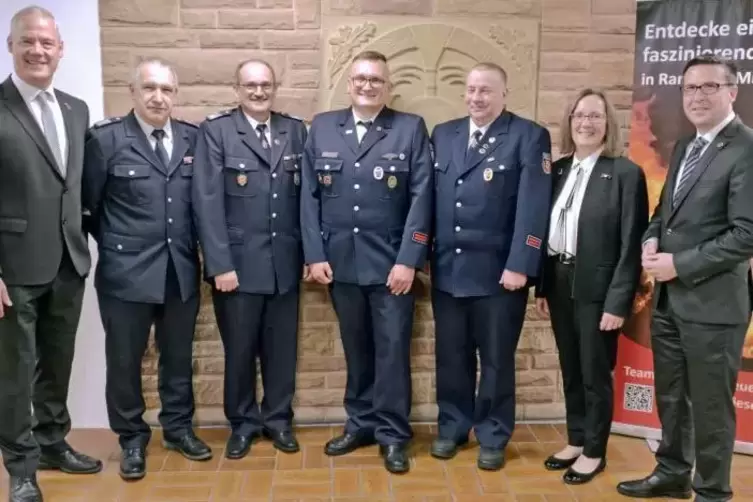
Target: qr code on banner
{"x": 639, "y": 398}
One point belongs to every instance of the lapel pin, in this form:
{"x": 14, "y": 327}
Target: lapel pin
{"x": 720, "y": 145}
{"x": 492, "y": 139}
{"x": 277, "y": 141}
{"x": 349, "y": 131}
{"x": 559, "y": 171}
{"x": 401, "y": 156}
{"x": 606, "y": 176}
{"x": 482, "y": 151}
{"x": 379, "y": 128}
{"x": 187, "y": 160}
{"x": 67, "y": 106}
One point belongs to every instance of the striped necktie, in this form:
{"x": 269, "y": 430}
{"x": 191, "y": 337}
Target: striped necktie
{"x": 691, "y": 162}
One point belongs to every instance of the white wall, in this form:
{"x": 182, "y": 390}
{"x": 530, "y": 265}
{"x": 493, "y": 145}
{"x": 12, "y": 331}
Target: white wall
{"x": 79, "y": 74}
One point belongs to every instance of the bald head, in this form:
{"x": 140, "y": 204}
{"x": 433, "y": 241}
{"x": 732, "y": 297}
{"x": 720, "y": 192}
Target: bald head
{"x": 35, "y": 44}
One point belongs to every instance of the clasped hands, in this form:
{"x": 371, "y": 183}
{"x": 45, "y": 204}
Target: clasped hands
{"x": 660, "y": 266}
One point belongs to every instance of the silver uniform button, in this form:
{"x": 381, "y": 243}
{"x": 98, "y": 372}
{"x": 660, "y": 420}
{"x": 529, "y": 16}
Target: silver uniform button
{"x": 274, "y": 175}
{"x": 457, "y": 229}
{"x": 356, "y": 186}
{"x": 356, "y": 208}
{"x": 169, "y": 200}
{"x": 274, "y": 215}
{"x": 120, "y": 246}
{"x": 460, "y": 182}
{"x": 274, "y": 195}
{"x": 170, "y": 220}
{"x": 355, "y": 230}
{"x": 458, "y": 204}
{"x": 458, "y": 251}
{"x": 357, "y": 164}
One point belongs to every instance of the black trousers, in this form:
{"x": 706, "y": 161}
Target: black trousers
{"x": 587, "y": 358}
{"x": 263, "y": 326}
{"x": 127, "y": 326}
{"x": 491, "y": 325}
{"x": 37, "y": 340}
{"x": 695, "y": 375}
{"x": 376, "y": 328}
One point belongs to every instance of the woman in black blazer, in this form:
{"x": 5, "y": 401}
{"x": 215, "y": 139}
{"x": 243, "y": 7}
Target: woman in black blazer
{"x": 591, "y": 273}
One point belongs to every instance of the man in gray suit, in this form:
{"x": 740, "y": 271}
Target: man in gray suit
{"x": 697, "y": 248}
{"x": 44, "y": 256}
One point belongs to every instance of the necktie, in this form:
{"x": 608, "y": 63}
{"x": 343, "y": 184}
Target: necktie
{"x": 366, "y": 124}
{"x": 475, "y": 140}
{"x": 560, "y": 234}
{"x": 159, "y": 148}
{"x": 50, "y": 129}
{"x": 261, "y": 131}
{"x": 690, "y": 164}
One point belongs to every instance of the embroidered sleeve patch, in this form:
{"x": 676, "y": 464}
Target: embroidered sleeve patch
{"x": 533, "y": 242}
{"x": 546, "y": 163}
{"x": 420, "y": 238}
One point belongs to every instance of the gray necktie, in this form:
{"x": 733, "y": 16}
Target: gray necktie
{"x": 691, "y": 163}
{"x": 50, "y": 129}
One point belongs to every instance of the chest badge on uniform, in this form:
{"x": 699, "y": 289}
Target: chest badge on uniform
{"x": 488, "y": 174}
{"x": 401, "y": 156}
{"x": 378, "y": 173}
{"x": 327, "y": 180}
{"x": 241, "y": 179}
{"x": 296, "y": 178}
{"x": 392, "y": 182}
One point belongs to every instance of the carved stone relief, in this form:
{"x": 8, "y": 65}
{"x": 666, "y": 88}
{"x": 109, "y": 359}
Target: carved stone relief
{"x": 429, "y": 60}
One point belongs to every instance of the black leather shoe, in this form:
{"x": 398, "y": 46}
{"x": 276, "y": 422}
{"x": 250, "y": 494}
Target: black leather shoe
{"x": 557, "y": 464}
{"x": 444, "y": 449}
{"x": 573, "y": 477}
{"x": 656, "y": 485}
{"x": 189, "y": 446}
{"x": 238, "y": 446}
{"x": 284, "y": 441}
{"x": 133, "y": 464}
{"x": 395, "y": 458}
{"x": 346, "y": 443}
{"x": 490, "y": 459}
{"x": 69, "y": 461}
{"x": 24, "y": 490}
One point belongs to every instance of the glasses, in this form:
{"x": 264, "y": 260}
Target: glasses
{"x": 592, "y": 117}
{"x": 362, "y": 80}
{"x": 252, "y": 86}
{"x": 706, "y": 88}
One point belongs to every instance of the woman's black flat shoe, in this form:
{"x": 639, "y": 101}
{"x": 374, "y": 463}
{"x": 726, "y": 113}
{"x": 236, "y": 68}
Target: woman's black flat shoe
{"x": 572, "y": 477}
{"x": 557, "y": 464}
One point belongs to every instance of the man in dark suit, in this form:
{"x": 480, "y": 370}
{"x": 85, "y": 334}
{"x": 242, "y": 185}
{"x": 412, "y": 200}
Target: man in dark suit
{"x": 493, "y": 190}
{"x": 44, "y": 256}
{"x": 366, "y": 213}
{"x": 138, "y": 172}
{"x": 697, "y": 248}
{"x": 246, "y": 199}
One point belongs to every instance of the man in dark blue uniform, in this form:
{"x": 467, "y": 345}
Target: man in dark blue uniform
{"x": 366, "y": 212}
{"x": 137, "y": 180}
{"x": 246, "y": 197}
{"x": 492, "y": 203}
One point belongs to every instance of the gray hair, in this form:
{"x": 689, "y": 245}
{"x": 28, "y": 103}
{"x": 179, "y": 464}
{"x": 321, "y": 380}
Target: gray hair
{"x": 31, "y": 10}
{"x": 136, "y": 77}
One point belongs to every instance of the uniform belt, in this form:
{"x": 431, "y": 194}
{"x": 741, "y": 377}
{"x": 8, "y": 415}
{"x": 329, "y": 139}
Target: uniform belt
{"x": 563, "y": 258}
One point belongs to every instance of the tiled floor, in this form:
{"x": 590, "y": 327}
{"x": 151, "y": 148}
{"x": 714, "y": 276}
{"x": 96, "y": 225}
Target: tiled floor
{"x": 310, "y": 476}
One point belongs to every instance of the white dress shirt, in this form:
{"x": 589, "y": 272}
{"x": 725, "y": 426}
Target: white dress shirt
{"x": 361, "y": 129}
{"x": 267, "y": 131}
{"x": 29, "y": 94}
{"x": 572, "y": 216}
{"x": 709, "y": 136}
{"x": 167, "y": 140}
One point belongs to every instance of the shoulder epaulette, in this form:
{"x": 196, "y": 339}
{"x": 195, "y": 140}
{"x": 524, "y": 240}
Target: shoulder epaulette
{"x": 186, "y": 123}
{"x": 107, "y": 121}
{"x": 221, "y": 113}
{"x": 294, "y": 117}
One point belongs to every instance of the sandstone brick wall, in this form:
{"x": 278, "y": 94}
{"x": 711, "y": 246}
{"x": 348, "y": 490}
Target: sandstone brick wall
{"x": 571, "y": 44}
